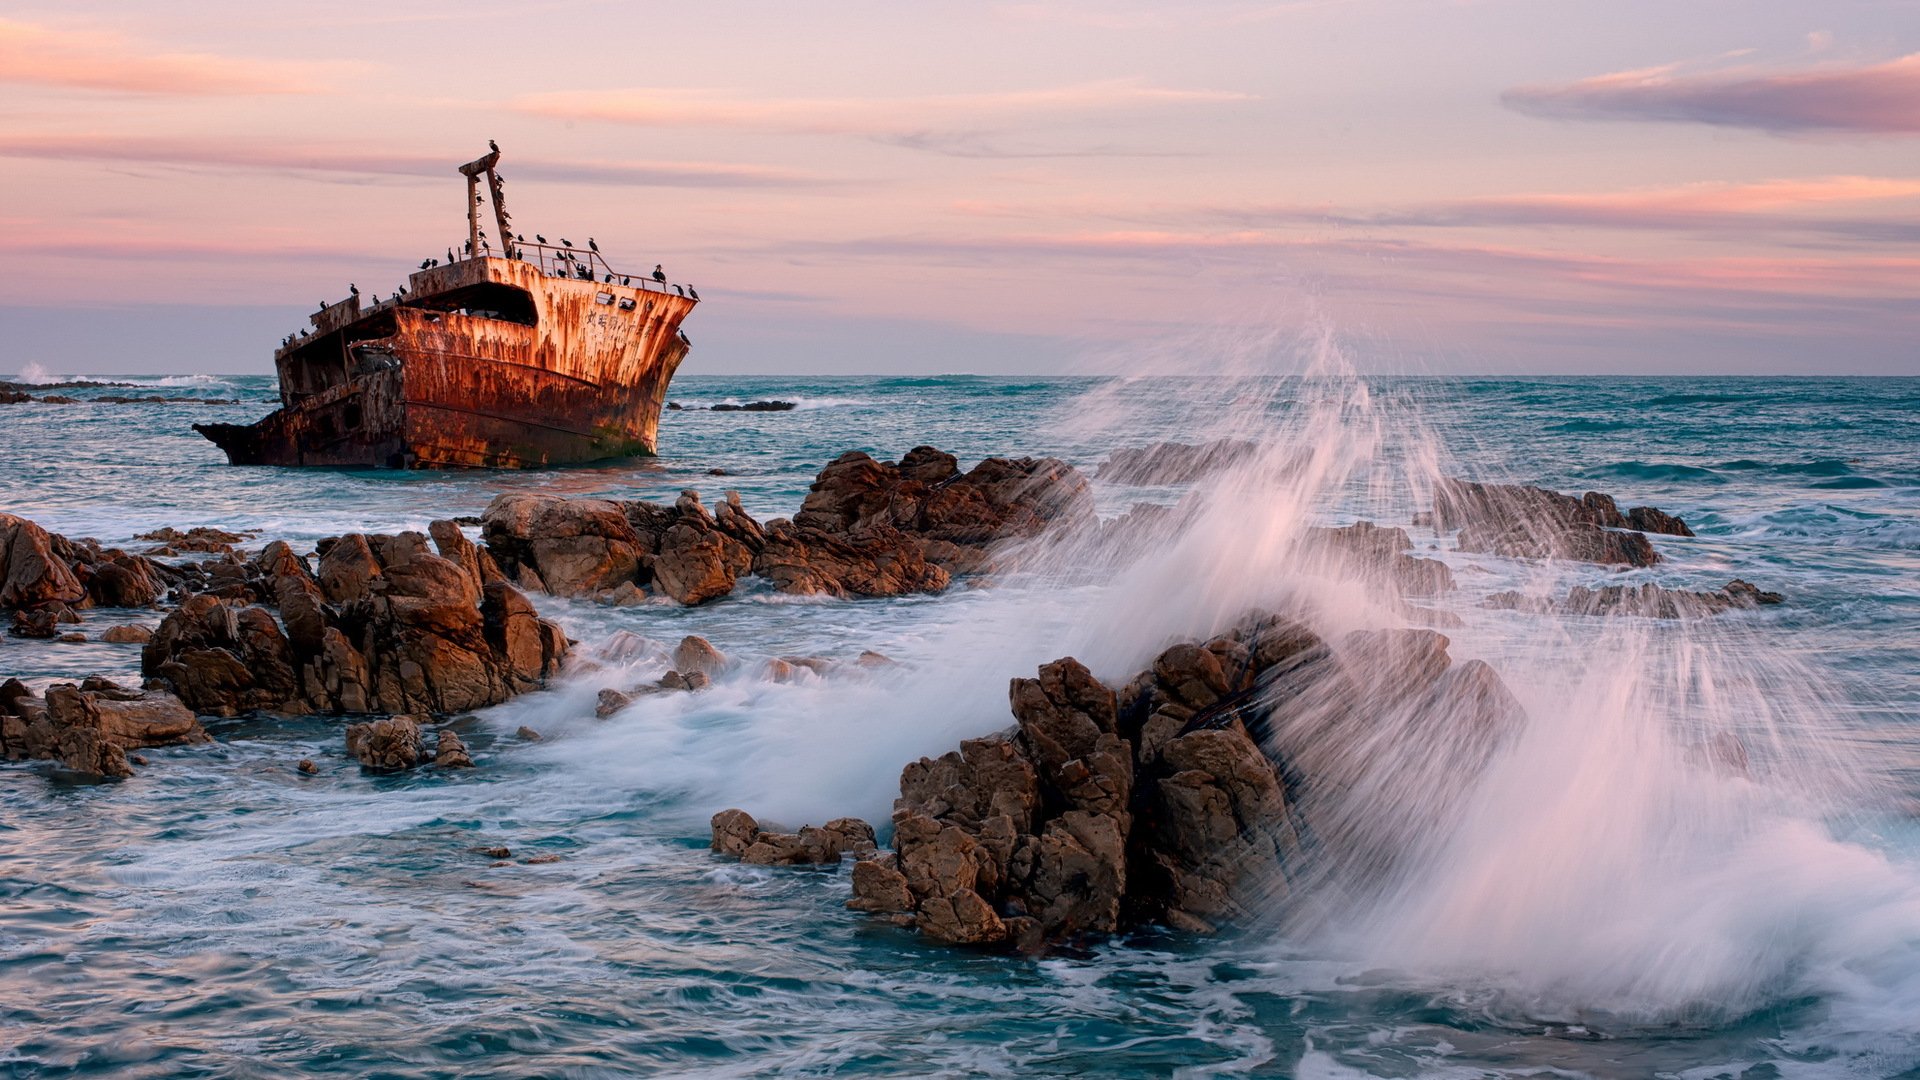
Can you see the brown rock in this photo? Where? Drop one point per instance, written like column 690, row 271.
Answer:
column 697, row 654
column 31, row 575
column 734, row 831
column 389, row 745
column 879, row 888
column 90, row 727
column 450, row 752
column 572, row 547
column 127, row 635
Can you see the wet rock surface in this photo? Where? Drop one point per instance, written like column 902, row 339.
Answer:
column 1521, row 521
column 89, row 727
column 391, row 745
column 736, row 833
column 384, row 625
column 1177, row 798
column 1173, row 462
column 1645, row 600
column 866, row 528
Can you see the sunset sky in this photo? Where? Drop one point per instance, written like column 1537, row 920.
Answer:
column 1447, row 185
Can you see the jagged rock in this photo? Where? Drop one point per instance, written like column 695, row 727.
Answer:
column 736, row 833
column 90, row 727
column 880, row 888
column 880, row 562
column 1645, row 600
column 127, row 635
column 31, row 574
column 527, row 734
column 569, row 547
column 610, row 701
column 384, row 626
column 1575, row 541
column 1174, row 800
column 449, row 752
column 1172, row 462
column 390, row 745
column 694, row 560
column 1519, row 521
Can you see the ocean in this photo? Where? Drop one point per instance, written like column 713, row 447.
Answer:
column 1601, row 906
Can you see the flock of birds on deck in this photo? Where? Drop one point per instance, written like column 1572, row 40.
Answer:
column 580, row 270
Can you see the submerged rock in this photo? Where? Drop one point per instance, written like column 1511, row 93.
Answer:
column 90, row 727
column 1646, row 601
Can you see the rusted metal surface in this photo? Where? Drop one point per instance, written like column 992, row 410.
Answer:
column 485, row 362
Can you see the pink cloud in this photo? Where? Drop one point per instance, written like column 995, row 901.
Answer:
column 40, row 55
column 1880, row 99
column 902, row 116
column 334, row 159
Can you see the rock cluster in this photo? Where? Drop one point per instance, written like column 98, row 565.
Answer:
column 1646, row 600
column 1527, row 522
column 90, row 727
column 384, row 626
column 1172, row 462
column 1175, row 799
column 736, row 833
column 46, row 572
column 866, row 528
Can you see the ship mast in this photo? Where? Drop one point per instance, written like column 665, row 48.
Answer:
column 472, row 170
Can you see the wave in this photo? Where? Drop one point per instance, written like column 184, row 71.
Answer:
column 1652, row 470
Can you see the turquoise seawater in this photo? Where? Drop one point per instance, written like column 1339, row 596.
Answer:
column 219, row 915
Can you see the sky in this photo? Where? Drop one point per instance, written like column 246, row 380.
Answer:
column 1442, row 186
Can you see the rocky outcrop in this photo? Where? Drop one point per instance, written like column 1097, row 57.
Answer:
column 736, row 833
column 866, row 528
column 31, row 575
column 90, row 727
column 1646, row 601
column 1179, row 798
column 1173, row 462
column 1521, row 521
column 385, row 625
column 42, row 571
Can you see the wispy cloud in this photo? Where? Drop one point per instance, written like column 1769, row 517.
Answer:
column 1878, row 99
column 41, row 55
column 360, row 163
column 876, row 117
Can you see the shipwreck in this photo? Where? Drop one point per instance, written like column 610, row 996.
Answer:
column 539, row 354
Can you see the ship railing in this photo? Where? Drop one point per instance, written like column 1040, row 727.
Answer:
column 583, row 264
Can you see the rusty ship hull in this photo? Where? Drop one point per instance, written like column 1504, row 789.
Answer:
column 487, row 362
column 543, row 357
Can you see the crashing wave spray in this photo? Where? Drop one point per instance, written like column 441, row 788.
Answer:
column 1646, row 832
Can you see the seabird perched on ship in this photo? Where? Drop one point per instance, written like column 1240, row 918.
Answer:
column 659, row 275
column 691, row 291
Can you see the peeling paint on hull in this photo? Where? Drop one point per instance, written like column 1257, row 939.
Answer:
column 485, row 363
